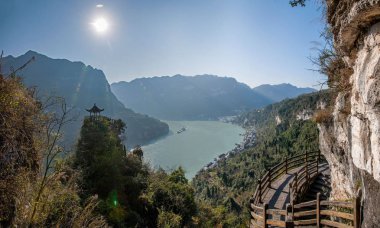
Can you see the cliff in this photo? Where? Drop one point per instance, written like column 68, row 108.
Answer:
column 350, row 137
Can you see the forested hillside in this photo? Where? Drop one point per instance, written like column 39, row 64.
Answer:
column 81, row 86
column 282, row 129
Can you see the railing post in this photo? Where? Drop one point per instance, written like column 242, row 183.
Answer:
column 289, row 216
column 319, row 155
column 265, row 216
column 306, row 157
column 295, row 186
column 259, row 191
column 270, row 178
column 317, row 166
column 318, row 208
column 286, row 165
column 251, row 201
column 307, row 167
column 293, row 203
column 357, row 212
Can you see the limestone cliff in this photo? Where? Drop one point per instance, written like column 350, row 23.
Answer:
column 350, row 139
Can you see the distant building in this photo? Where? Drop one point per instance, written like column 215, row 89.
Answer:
column 95, row 111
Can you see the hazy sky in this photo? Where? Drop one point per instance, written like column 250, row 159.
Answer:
column 255, row 41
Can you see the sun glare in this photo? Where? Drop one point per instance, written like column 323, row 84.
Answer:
column 100, row 25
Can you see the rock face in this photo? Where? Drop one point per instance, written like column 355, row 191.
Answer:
column 350, row 140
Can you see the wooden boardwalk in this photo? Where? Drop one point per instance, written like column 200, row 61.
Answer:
column 278, row 194
column 305, row 180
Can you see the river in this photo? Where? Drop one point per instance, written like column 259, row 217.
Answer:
column 199, row 144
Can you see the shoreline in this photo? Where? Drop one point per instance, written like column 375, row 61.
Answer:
column 248, row 141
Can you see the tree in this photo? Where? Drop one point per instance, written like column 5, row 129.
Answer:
column 171, row 194
column 100, row 156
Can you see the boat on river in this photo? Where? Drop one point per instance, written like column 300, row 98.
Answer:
column 181, row 130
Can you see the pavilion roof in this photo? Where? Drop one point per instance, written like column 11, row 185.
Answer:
column 94, row 109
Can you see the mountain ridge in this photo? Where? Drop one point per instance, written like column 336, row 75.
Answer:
column 206, row 96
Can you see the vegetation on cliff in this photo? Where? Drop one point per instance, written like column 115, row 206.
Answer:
column 37, row 189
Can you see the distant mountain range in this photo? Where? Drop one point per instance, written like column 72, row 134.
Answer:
column 279, row 92
column 82, row 86
column 200, row 97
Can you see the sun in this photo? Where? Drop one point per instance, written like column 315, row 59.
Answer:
column 100, row 25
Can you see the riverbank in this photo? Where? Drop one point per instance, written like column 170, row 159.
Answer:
column 192, row 149
column 247, row 142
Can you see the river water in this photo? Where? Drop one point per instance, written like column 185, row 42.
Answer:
column 199, row 144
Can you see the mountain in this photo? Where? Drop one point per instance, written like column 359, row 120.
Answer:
column 197, row 97
column 82, row 86
column 279, row 92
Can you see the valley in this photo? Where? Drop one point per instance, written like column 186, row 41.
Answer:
column 186, row 114
column 194, row 148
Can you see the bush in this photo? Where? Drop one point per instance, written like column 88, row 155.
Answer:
column 167, row 219
column 323, row 116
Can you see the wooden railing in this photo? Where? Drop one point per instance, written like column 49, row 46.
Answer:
column 316, row 213
column 280, row 169
column 304, row 177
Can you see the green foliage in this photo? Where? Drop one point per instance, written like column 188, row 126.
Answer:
column 229, row 186
column 172, row 193
column 132, row 194
column 107, row 171
column 100, row 155
column 178, row 176
column 167, row 219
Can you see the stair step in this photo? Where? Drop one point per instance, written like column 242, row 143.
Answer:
column 320, row 187
column 314, row 190
column 313, row 197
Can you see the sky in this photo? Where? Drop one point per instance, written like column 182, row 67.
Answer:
column 255, row 41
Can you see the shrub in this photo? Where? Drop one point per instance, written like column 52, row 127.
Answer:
column 323, row 116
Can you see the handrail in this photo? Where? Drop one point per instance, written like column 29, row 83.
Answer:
column 276, row 171
column 303, row 179
column 314, row 213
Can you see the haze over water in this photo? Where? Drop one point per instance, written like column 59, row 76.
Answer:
column 194, row 148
